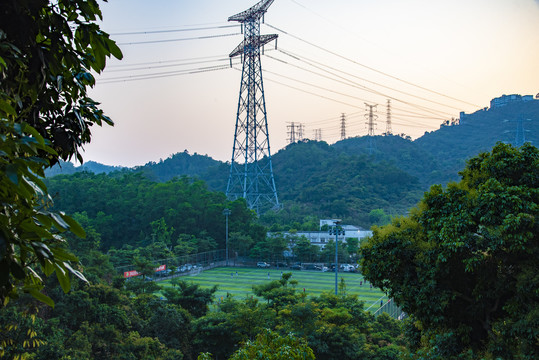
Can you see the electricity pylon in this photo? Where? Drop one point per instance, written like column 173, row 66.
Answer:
column 343, row 126
column 371, row 125
column 251, row 173
column 389, row 131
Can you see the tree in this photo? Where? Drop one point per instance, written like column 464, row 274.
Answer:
column 277, row 292
column 271, row 346
column 305, row 251
column 215, row 333
column 191, row 297
column 464, row 263
column 47, row 50
column 161, row 232
column 379, row 217
column 239, row 243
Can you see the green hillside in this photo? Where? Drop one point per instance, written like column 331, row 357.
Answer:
column 348, row 180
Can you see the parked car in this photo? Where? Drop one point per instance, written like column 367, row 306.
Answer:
column 296, row 267
column 262, row 264
column 163, row 273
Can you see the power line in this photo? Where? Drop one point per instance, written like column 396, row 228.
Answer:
column 173, row 30
column 163, row 74
column 170, row 65
column 363, row 79
column 368, row 67
column 166, row 61
column 358, row 86
column 178, row 39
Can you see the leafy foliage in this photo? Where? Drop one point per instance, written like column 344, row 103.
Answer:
column 336, row 184
column 271, row 346
column 464, row 263
column 47, row 51
column 126, row 208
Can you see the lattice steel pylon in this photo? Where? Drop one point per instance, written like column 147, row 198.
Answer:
column 371, row 124
column 251, row 172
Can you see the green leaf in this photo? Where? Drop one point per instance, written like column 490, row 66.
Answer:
column 63, row 276
column 59, row 221
column 32, row 131
column 74, row 226
column 63, row 254
column 114, row 49
column 75, row 272
column 41, row 297
column 12, row 174
column 7, row 108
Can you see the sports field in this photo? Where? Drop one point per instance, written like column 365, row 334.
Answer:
column 238, row 281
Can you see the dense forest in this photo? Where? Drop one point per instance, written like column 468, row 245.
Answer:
column 347, row 180
column 462, row 264
column 452, row 317
column 107, row 320
column 128, row 209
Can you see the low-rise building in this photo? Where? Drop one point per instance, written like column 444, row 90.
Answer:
column 322, row 237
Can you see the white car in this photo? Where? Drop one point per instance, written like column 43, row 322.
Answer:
column 262, row 264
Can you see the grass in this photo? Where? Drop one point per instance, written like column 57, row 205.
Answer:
column 312, row 282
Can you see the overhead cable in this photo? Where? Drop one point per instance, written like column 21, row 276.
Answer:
column 178, row 39
column 368, row 67
column 173, row 30
column 295, row 56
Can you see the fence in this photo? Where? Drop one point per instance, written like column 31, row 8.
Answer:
column 186, row 263
column 390, row 308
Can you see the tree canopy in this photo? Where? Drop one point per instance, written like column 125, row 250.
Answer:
column 47, row 52
column 464, row 263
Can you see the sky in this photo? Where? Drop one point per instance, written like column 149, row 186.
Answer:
column 175, row 90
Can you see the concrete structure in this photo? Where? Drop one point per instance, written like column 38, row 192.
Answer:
column 499, row 102
column 322, row 237
column 508, row 99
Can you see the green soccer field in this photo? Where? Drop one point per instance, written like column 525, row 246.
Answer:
column 312, row 282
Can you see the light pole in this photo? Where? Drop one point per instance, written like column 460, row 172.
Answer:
column 336, row 230
column 226, row 212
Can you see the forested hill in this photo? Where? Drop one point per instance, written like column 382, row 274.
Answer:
column 395, row 151
column 451, row 146
column 351, row 178
column 333, row 183
column 67, row 168
column 438, row 156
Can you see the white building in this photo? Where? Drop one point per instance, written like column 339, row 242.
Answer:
column 508, row 99
column 321, row 238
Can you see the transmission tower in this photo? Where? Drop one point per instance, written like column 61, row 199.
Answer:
column 251, row 173
column 343, row 126
column 389, row 131
column 295, row 132
column 520, row 136
column 318, row 134
column 291, row 133
column 300, row 130
column 371, row 125
column 520, row 133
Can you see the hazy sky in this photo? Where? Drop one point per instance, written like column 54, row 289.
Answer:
column 433, row 58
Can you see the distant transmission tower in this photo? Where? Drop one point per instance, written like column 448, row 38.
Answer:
column 318, row 134
column 295, row 132
column 520, row 134
column 251, row 173
column 520, row 137
column 300, row 130
column 371, row 125
column 343, row 126
column 291, row 133
column 389, row 131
